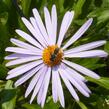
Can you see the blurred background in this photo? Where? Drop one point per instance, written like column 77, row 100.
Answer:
column 11, row 12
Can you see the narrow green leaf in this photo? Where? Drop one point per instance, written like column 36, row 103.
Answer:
column 61, row 5
column 82, row 105
column 2, row 85
column 31, row 106
column 26, row 6
column 103, row 81
column 3, row 71
column 106, row 47
column 78, row 7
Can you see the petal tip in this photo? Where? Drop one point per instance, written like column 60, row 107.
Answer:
column 97, row 77
column 17, row 30
column 34, row 9
column 23, row 18
column 12, row 39
column 45, row 9
column 6, row 49
column 5, row 57
column 72, row 12
column 54, row 6
column 7, row 78
column 106, row 54
column 15, row 85
column 26, row 95
column 105, row 41
column 91, row 20
column 77, row 99
column 30, row 101
column 7, row 65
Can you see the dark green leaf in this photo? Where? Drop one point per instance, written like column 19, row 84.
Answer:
column 78, row 7
column 103, row 81
column 8, row 96
column 26, row 7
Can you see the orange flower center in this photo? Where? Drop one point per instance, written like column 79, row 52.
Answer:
column 52, row 55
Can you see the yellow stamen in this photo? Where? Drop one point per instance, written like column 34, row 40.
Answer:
column 49, row 52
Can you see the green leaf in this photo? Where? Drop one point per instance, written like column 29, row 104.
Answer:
column 8, row 96
column 106, row 47
column 4, row 38
column 51, row 105
column 103, row 102
column 104, row 16
column 105, row 4
column 3, row 71
column 101, row 15
column 3, row 6
column 78, row 7
column 82, row 105
column 48, row 105
column 31, row 106
column 103, row 81
column 60, row 3
column 2, row 85
column 26, row 6
column 3, row 18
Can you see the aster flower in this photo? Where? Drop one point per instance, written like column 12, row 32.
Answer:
column 42, row 57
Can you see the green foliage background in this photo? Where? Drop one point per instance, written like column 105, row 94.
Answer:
column 10, row 19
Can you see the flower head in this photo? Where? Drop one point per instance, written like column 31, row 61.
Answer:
column 42, row 57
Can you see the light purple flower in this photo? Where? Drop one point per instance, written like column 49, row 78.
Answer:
column 40, row 67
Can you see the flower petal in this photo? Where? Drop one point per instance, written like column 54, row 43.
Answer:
column 54, row 84
column 69, row 86
column 88, row 54
column 72, row 72
column 38, row 84
column 40, row 93
column 38, row 77
column 39, row 37
column 40, row 25
column 24, row 45
column 16, row 56
column 78, row 78
column 28, row 75
column 54, row 23
column 78, row 86
column 82, row 70
column 32, row 30
column 23, row 51
column 78, row 34
column 46, row 84
column 82, row 84
column 84, row 47
column 60, row 90
column 48, row 24
column 64, row 26
column 29, row 38
column 22, row 69
column 23, row 60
